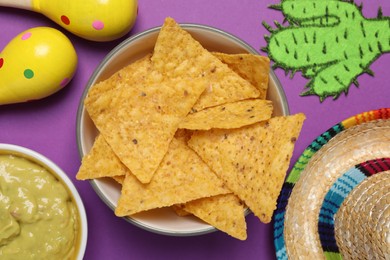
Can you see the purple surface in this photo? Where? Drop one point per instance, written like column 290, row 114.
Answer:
column 48, row 126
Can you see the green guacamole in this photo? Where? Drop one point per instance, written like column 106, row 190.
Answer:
column 38, row 219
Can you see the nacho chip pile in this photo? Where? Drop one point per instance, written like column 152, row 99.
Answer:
column 190, row 129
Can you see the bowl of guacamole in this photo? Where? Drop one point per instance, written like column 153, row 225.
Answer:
column 41, row 213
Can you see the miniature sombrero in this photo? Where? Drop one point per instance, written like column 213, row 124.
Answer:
column 335, row 203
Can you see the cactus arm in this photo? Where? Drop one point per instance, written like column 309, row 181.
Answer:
column 320, row 21
column 334, row 80
column 319, row 13
column 337, row 78
column 304, row 48
column 377, row 31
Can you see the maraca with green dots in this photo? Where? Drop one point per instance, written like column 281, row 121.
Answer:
column 35, row 64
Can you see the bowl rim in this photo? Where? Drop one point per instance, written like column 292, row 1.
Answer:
column 103, row 63
column 43, row 161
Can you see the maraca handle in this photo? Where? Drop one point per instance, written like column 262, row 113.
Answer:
column 22, row 4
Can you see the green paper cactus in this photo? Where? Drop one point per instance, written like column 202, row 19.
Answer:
column 329, row 41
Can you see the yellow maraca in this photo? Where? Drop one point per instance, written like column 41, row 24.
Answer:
column 97, row 20
column 35, row 64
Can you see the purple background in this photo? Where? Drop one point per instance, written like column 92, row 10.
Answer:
column 48, row 126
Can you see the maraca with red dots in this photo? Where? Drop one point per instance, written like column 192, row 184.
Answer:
column 96, row 20
column 35, row 64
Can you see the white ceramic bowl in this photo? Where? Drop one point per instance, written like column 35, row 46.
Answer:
column 10, row 149
column 162, row 221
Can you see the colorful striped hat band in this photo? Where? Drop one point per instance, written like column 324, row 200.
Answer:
column 326, row 207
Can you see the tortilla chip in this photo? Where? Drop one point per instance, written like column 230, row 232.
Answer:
column 181, row 177
column 231, row 115
column 100, row 162
column 119, row 179
column 140, row 117
column 180, row 211
column 224, row 212
column 251, row 67
column 177, row 54
column 252, row 160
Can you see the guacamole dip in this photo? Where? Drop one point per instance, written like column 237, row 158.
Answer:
column 38, row 219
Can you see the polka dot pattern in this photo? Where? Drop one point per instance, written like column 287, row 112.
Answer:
column 28, row 74
column 26, row 36
column 64, row 82
column 98, row 25
column 65, row 19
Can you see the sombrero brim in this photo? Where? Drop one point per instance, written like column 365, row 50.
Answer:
column 297, row 224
